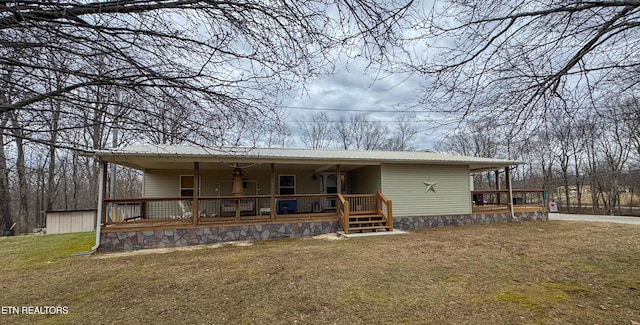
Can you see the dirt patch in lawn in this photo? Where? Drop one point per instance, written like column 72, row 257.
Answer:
column 529, row 273
column 173, row 249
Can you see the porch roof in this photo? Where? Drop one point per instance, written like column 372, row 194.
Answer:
column 164, row 156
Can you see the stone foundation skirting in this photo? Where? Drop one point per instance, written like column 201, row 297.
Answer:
column 409, row 223
column 134, row 240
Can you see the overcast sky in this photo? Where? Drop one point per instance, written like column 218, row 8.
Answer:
column 355, row 90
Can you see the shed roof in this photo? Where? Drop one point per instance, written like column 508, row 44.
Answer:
column 156, row 156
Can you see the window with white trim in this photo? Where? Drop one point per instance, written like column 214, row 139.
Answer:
column 287, row 184
column 186, row 185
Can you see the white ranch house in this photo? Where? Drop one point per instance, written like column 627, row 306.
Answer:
column 196, row 195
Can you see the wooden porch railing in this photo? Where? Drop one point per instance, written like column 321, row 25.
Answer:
column 361, row 203
column 343, row 208
column 523, row 200
column 304, row 205
column 384, row 207
column 233, row 210
column 118, row 211
column 220, row 209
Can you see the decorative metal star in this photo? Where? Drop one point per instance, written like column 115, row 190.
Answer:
column 430, row 186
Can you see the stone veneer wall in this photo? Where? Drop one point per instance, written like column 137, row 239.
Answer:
column 134, row 240
column 409, row 223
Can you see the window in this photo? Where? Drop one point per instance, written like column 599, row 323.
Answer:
column 287, row 184
column 186, row 185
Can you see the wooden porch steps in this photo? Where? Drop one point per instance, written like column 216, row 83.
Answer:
column 370, row 222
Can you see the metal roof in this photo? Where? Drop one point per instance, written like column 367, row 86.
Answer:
column 153, row 156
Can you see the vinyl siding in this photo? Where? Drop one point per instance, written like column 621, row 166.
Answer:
column 365, row 180
column 403, row 184
column 305, row 184
column 166, row 183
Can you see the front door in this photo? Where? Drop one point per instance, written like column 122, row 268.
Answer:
column 330, row 186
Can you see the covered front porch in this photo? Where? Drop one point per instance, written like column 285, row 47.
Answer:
column 180, row 212
column 219, row 194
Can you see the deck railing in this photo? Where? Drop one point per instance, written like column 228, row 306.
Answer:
column 305, row 205
column 522, row 199
column 361, row 203
column 222, row 209
column 342, row 206
column 147, row 210
column 384, row 207
column 234, row 208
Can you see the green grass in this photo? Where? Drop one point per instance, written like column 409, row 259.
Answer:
column 530, row 273
column 33, row 252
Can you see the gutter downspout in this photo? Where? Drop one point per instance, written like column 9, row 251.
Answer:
column 100, row 207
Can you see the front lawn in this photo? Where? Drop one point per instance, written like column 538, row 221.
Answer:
column 530, row 273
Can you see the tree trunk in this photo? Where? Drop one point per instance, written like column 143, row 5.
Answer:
column 594, row 194
column 567, row 193
column 51, row 180
column 23, row 190
column 6, row 218
column 579, row 183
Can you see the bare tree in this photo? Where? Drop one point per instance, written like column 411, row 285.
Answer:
column 316, row 133
column 515, row 61
column 566, row 139
column 630, row 109
column 477, row 139
column 267, row 134
column 6, row 218
column 166, row 121
column 226, row 58
column 592, row 149
column 356, row 132
column 359, row 133
column 73, row 73
column 608, row 146
column 616, row 147
column 403, row 136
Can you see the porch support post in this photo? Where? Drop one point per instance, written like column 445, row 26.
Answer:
column 195, row 209
column 272, row 190
column 102, row 192
column 101, row 215
column 497, row 172
column 507, row 172
column 237, row 209
column 339, row 179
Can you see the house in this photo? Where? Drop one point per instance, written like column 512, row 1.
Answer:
column 197, row 195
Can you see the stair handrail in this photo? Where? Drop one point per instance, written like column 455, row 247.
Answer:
column 343, row 212
column 381, row 199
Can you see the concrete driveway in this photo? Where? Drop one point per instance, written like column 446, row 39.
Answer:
column 585, row 217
